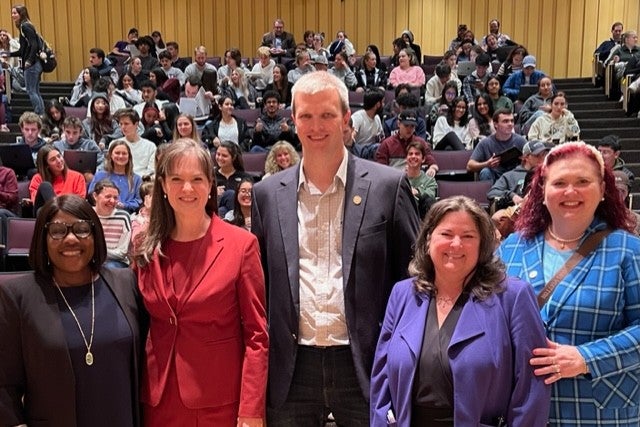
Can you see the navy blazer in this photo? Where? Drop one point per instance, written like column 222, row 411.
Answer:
column 34, row 357
column 489, row 354
column 379, row 229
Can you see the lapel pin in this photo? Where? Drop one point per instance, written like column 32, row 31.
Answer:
column 533, row 274
column 357, row 200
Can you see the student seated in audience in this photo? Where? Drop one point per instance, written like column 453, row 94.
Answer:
column 116, row 223
column 98, row 61
column 370, row 74
column 226, row 127
column 320, row 63
column 238, row 88
column 494, row 30
column 232, row 61
column 174, row 50
column 318, row 48
column 485, row 158
column 512, row 64
column 9, row 203
column 147, row 55
column 450, row 91
column 116, row 101
column 342, row 70
column 30, row 126
column 408, row 71
column 149, row 96
column 280, row 85
column 510, row 189
column 610, row 148
column 623, row 186
column 457, row 41
column 121, row 48
column 474, row 84
column 185, row 127
column 451, row 131
column 229, row 171
column 140, row 219
column 463, row 53
column 536, row 105
column 52, row 119
column 621, row 54
column 280, row 43
column 481, row 122
column 168, row 89
column 271, row 126
column 199, row 64
column 100, row 126
column 403, row 102
column 191, row 89
column 240, row 215
column 393, row 150
column 527, row 76
column 494, row 90
column 169, row 68
column 368, row 131
column 72, row 139
column 81, row 94
column 397, row 45
column 281, row 156
column 54, row 178
column 143, row 151
column 118, row 168
column 491, row 48
column 557, row 126
column 134, row 69
column 341, row 44
column 303, row 66
column 435, row 84
column 261, row 74
column 604, row 49
column 423, row 186
column 409, row 39
column 155, row 127
column 129, row 89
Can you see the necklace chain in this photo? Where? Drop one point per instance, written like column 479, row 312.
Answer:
column 563, row 242
column 88, row 358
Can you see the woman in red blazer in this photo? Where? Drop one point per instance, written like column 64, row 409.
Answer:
column 202, row 283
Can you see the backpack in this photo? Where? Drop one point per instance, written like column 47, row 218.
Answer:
column 45, row 54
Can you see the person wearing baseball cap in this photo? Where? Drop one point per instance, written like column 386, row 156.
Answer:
column 320, row 62
column 393, row 150
column 528, row 75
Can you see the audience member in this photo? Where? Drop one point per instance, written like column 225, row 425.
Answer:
column 498, row 100
column 140, row 220
column 155, row 129
column 451, row 131
column 457, row 41
column 143, row 151
column 341, row 44
column 318, row 48
column 409, row 39
column 147, row 55
column 271, row 126
column 9, row 203
column 610, row 149
column 358, row 272
column 280, row 85
column 342, row 70
column 536, row 105
column 370, row 74
column 54, row 178
column 101, row 127
column 367, row 126
column 9, row 44
column 485, row 159
column 397, row 45
column 30, row 127
column 403, row 102
column 174, row 49
column 239, row 89
column 623, row 186
column 28, row 52
column 81, row 93
column 262, row 72
column 240, row 215
column 73, row 140
column 436, row 83
column 98, row 60
column 303, row 66
column 129, row 89
column 512, row 64
column 494, row 30
column 474, row 84
column 527, row 76
column 121, row 48
column 52, row 119
column 116, row 223
column 226, row 127
column 170, row 69
column 134, row 69
column 281, row 156
column 159, row 45
column 393, row 150
column 199, row 64
column 481, row 122
column 229, row 171
column 149, row 96
column 450, row 91
column 232, row 61
column 279, row 42
column 492, row 48
column 185, row 127
column 605, row 48
column 557, row 126
column 407, row 70
column 423, row 186
column 621, row 54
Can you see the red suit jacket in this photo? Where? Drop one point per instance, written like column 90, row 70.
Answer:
column 217, row 336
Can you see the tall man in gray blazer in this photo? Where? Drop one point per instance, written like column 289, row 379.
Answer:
column 335, row 233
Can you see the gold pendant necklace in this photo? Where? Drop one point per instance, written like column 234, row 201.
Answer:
column 563, row 242
column 88, row 358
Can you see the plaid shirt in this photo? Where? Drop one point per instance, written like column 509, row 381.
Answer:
column 596, row 308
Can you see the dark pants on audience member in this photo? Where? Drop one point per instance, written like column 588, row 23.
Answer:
column 324, row 381
column 43, row 195
column 451, row 141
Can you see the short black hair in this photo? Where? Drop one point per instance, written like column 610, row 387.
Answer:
column 99, row 52
column 407, row 100
column 72, row 205
column 371, row 97
column 148, row 83
column 270, row 94
column 612, row 141
column 443, row 70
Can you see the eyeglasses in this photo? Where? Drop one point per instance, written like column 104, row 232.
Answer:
column 59, row 230
column 244, row 191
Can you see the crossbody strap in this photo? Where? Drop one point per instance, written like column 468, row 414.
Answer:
column 585, row 249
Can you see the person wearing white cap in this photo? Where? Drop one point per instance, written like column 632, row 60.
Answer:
column 527, row 76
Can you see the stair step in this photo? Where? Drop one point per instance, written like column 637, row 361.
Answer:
column 591, row 91
column 595, row 104
column 598, row 114
column 586, row 98
column 625, row 132
column 631, row 156
column 609, row 123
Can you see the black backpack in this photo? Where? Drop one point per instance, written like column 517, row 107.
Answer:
column 46, row 55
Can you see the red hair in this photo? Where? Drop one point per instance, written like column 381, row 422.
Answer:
column 535, row 217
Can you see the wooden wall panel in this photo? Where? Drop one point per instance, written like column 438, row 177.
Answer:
column 561, row 33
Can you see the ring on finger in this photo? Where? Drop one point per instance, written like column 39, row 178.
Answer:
column 557, row 369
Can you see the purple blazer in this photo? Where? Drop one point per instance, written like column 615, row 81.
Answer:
column 489, row 355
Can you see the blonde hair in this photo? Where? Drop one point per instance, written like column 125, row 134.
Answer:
column 271, row 165
column 264, row 51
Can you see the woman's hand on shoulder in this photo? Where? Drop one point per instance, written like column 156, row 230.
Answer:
column 250, row 422
column 558, row 361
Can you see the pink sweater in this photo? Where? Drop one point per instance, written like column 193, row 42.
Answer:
column 412, row 75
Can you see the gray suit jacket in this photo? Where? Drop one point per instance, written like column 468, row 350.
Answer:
column 34, row 359
column 379, row 229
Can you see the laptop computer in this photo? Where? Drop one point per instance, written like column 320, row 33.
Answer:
column 81, row 161
column 17, row 157
column 465, row 68
column 526, row 91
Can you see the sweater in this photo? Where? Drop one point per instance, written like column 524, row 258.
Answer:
column 117, row 235
column 546, row 128
column 412, row 75
column 143, row 155
column 130, row 197
column 73, row 184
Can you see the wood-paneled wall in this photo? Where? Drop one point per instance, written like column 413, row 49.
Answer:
column 561, row 33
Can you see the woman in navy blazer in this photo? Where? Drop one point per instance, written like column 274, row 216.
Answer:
column 492, row 325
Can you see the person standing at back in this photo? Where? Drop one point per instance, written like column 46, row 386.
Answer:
column 29, row 46
column 334, row 233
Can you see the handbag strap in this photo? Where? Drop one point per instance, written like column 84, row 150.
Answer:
column 583, row 250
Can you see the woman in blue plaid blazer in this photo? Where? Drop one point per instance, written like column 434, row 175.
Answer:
column 592, row 318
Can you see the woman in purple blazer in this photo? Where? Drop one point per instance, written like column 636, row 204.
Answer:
column 480, row 332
